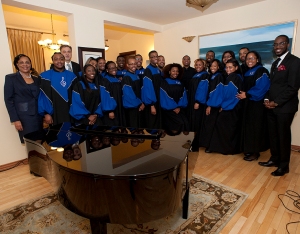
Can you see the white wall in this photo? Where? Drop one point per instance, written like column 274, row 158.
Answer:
column 173, row 47
column 114, row 49
column 11, row 148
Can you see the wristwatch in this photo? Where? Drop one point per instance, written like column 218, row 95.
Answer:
column 275, row 104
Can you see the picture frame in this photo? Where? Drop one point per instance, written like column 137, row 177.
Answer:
column 85, row 52
column 259, row 38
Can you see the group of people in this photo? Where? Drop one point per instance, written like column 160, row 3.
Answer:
column 231, row 107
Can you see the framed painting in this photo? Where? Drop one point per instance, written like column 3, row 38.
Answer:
column 260, row 39
column 85, row 52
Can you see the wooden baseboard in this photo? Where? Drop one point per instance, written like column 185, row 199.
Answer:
column 295, row 147
column 13, row 164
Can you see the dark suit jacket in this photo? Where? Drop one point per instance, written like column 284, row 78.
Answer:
column 19, row 99
column 285, row 83
column 75, row 66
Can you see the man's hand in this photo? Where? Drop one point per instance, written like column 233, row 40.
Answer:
column 196, row 106
column 270, row 105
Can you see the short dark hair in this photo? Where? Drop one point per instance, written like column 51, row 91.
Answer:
column 120, row 56
column 244, row 48
column 152, row 51
column 287, row 39
column 138, row 55
column 99, row 58
column 17, row 58
column 211, row 51
column 130, row 57
column 236, row 64
column 55, row 54
column 63, row 46
column 107, row 63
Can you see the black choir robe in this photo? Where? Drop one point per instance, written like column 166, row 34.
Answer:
column 255, row 136
column 55, row 94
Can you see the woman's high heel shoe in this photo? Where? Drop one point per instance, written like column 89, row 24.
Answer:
column 252, row 157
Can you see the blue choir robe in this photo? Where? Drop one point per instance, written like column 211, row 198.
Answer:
column 150, row 96
column 55, row 94
column 173, row 95
column 214, row 101
column 131, row 87
column 255, row 136
column 61, row 135
column 227, row 131
column 233, row 85
column 140, row 73
column 85, row 103
column 197, row 93
column 120, row 73
column 215, row 90
column 111, row 100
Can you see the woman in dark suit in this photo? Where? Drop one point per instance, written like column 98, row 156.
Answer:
column 21, row 91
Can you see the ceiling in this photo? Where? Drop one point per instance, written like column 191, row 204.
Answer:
column 159, row 11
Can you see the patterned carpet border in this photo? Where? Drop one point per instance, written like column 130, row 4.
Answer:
column 211, row 206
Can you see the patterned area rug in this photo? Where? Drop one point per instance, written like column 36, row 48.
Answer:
column 211, row 206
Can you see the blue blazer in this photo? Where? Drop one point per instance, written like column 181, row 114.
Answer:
column 19, row 99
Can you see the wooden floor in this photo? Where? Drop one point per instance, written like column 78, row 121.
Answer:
column 261, row 213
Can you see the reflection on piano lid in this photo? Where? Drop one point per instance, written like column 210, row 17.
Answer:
column 108, row 150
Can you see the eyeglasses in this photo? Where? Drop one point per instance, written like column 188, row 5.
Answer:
column 112, row 68
column 154, row 57
column 131, row 64
column 138, row 59
column 280, row 44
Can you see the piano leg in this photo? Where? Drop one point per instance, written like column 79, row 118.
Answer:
column 98, row 227
column 185, row 204
column 185, row 201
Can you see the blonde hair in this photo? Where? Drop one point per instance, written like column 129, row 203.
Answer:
column 200, row 60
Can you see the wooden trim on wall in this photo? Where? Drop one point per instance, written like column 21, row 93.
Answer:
column 13, row 164
column 295, row 148
column 128, row 53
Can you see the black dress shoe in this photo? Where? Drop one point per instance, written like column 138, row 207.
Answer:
column 248, row 154
column 252, row 157
column 268, row 164
column 280, row 171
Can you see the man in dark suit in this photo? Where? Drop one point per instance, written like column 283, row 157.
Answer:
column 282, row 102
column 188, row 71
column 66, row 50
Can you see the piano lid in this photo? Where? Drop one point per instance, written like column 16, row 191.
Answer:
column 116, row 151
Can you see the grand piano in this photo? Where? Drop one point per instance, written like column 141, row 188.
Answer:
column 114, row 174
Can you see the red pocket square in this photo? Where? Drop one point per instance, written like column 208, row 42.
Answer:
column 281, row 68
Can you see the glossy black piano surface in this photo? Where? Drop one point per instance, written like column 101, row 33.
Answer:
column 118, row 175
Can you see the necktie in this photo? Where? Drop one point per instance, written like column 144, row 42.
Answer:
column 274, row 65
column 69, row 67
